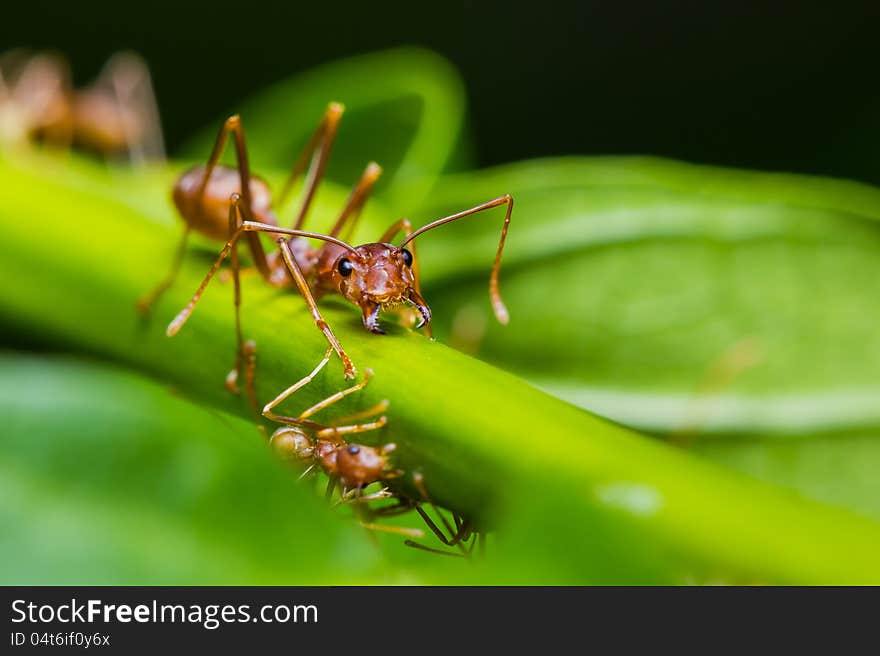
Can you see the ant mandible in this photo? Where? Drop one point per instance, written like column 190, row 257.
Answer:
column 115, row 114
column 372, row 276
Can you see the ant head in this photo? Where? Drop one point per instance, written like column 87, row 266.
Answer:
column 359, row 465
column 376, row 276
column 291, row 443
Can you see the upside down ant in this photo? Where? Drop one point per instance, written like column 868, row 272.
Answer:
column 356, row 466
column 302, row 439
column 218, row 201
column 116, row 114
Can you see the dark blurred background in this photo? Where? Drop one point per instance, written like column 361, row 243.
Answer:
column 772, row 85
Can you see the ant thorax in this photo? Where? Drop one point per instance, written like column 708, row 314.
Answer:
column 358, row 465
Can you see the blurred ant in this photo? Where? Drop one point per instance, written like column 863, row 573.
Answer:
column 373, row 276
column 356, row 466
column 116, row 114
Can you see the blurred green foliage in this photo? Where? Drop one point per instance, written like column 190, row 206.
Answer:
column 714, row 308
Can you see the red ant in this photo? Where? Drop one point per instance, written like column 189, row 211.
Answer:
column 115, row 114
column 373, row 276
column 211, row 199
column 357, row 466
column 323, row 446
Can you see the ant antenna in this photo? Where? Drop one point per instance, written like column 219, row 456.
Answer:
column 498, row 306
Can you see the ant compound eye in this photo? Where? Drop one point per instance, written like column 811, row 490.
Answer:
column 344, row 267
column 407, row 256
column 354, row 449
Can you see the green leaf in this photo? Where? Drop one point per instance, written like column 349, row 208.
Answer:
column 489, row 444
column 404, row 109
column 839, row 469
column 682, row 300
column 629, row 279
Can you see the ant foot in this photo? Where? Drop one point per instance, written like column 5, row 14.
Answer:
column 348, row 365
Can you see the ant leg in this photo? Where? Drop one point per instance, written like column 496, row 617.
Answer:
column 316, row 151
column 246, row 352
column 234, row 222
column 132, row 86
column 42, row 84
column 250, row 227
column 404, row 225
column 335, row 431
column 356, row 201
column 338, row 396
column 306, row 293
column 146, row 302
column 434, row 528
column 332, row 433
column 324, row 432
column 397, row 530
column 455, row 538
column 419, row 482
column 250, row 377
column 498, row 306
column 377, row 409
column 364, row 515
column 331, row 485
column 233, row 125
column 440, row 552
column 392, row 511
column 465, row 531
column 308, row 471
column 369, row 498
column 305, row 380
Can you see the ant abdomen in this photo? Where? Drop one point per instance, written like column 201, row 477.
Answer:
column 208, row 213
